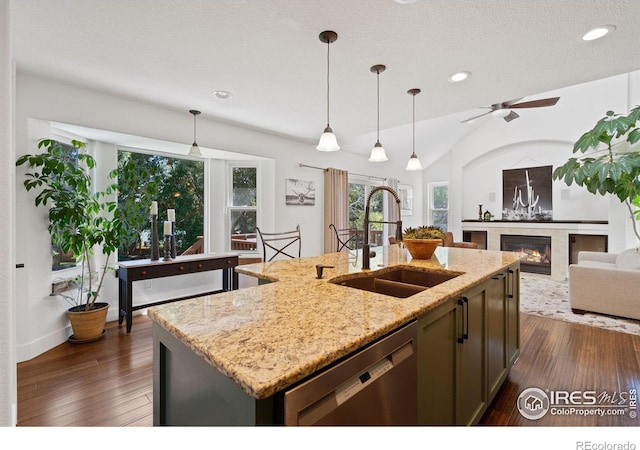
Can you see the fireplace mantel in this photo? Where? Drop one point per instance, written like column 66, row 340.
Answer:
column 558, row 230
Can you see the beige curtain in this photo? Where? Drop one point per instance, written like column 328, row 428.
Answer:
column 336, row 199
column 390, row 211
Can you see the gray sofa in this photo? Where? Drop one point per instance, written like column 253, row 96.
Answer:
column 606, row 283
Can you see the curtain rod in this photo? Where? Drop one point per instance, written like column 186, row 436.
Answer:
column 357, row 174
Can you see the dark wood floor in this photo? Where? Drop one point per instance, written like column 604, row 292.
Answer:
column 109, row 382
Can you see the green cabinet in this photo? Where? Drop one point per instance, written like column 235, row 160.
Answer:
column 471, row 391
column 466, row 348
column 513, row 314
column 497, row 364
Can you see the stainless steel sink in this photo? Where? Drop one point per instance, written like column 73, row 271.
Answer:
column 401, row 282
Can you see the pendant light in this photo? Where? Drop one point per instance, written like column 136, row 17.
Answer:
column 195, row 150
column 377, row 152
column 414, row 162
column 328, row 141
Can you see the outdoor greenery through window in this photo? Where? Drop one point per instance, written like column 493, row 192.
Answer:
column 243, row 208
column 62, row 260
column 439, row 210
column 175, row 184
column 358, row 193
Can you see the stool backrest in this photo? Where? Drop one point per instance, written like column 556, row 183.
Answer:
column 347, row 238
column 280, row 243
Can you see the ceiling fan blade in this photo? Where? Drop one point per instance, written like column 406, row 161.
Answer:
column 508, row 103
column 512, row 115
column 475, row 117
column 537, row 103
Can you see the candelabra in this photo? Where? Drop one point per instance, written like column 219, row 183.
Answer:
column 167, row 247
column 173, row 240
column 155, row 246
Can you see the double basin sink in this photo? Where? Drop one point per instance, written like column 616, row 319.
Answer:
column 400, row 282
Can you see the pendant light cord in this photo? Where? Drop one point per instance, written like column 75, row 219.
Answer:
column 413, row 152
column 328, row 46
column 194, row 129
column 378, row 130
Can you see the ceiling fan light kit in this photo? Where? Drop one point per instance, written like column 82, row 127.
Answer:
column 414, row 162
column 377, row 152
column 195, row 150
column 328, row 141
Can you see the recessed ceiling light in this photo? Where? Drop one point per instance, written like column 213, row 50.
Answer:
column 459, row 76
column 223, row 95
column 598, row 33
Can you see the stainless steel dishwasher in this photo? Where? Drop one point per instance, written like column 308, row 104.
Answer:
column 375, row 386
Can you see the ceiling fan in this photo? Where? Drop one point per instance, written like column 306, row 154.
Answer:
column 505, row 109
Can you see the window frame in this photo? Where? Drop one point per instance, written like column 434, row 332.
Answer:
column 432, row 208
column 205, row 189
column 230, row 208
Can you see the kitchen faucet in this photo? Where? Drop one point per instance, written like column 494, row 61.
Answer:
column 366, row 253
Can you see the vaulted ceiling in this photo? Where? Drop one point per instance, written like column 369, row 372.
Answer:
column 267, row 54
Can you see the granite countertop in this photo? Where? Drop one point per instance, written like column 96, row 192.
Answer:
column 267, row 337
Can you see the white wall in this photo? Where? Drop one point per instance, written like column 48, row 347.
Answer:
column 541, row 136
column 8, row 396
column 40, row 318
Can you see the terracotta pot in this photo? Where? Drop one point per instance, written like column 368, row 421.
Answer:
column 87, row 325
column 421, row 248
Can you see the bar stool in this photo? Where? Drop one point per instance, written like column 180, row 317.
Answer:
column 346, row 237
column 280, row 243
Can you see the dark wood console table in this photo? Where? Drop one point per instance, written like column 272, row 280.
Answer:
column 145, row 269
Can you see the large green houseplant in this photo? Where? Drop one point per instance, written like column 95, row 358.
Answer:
column 80, row 220
column 611, row 164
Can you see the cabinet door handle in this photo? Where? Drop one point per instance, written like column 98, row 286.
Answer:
column 460, row 321
column 500, row 276
column 511, row 282
column 466, row 325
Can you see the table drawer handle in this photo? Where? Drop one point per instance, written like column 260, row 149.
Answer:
column 200, row 266
column 143, row 273
column 181, row 268
column 229, row 262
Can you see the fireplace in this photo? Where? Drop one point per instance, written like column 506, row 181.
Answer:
column 537, row 250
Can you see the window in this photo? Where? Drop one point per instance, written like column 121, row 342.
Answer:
column 439, row 204
column 243, row 208
column 358, row 192
column 63, row 260
column 175, row 184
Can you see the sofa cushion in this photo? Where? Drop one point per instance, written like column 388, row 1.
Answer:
column 597, row 264
column 628, row 260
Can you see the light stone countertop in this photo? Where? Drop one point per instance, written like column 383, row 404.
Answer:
column 267, row 337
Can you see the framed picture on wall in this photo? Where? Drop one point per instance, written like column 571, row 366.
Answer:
column 405, row 193
column 527, row 194
column 300, row 192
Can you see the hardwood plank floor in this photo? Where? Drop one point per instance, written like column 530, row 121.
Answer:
column 109, row 382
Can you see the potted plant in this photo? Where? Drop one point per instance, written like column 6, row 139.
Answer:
column 80, row 220
column 422, row 241
column 614, row 169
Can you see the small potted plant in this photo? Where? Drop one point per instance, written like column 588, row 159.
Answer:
column 80, row 219
column 422, row 241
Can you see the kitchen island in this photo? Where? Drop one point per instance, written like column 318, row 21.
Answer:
column 228, row 358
